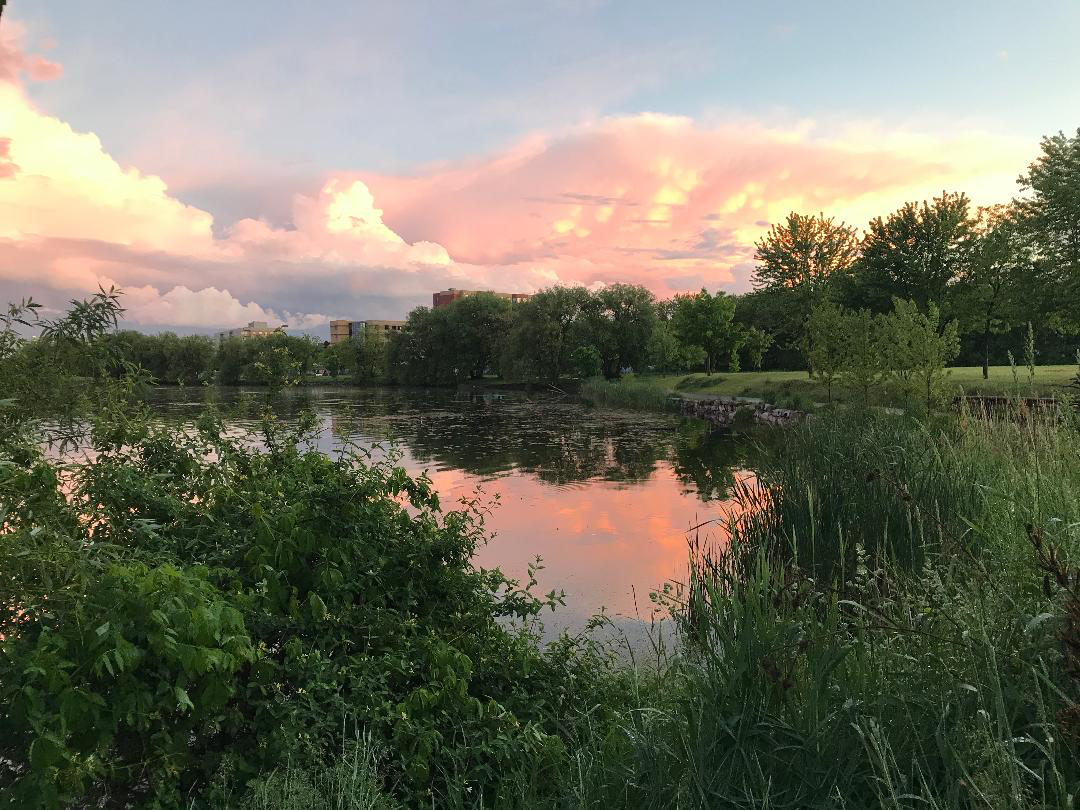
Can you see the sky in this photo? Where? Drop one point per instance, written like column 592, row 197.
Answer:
column 299, row 162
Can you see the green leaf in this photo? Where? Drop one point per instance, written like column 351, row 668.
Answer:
column 318, row 607
column 183, row 700
column 45, row 752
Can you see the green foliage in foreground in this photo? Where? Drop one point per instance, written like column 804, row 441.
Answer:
column 185, row 605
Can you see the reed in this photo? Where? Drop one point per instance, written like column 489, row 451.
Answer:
column 629, row 392
column 875, row 634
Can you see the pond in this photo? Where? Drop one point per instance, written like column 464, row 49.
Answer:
column 607, row 498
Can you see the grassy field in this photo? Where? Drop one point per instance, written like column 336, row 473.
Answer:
column 789, row 387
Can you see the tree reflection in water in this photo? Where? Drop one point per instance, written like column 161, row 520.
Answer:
column 605, row 496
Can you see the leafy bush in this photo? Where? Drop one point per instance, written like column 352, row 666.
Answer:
column 744, row 419
column 187, row 601
column 114, row 681
column 586, row 361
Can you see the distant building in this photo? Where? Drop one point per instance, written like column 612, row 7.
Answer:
column 384, row 328
column 443, row 298
column 341, row 331
column 253, row 329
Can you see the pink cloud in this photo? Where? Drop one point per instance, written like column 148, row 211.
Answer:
column 666, row 201
column 72, row 218
column 14, row 60
column 7, row 167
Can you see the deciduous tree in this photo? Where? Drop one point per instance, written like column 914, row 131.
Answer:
column 1051, row 213
column 916, row 253
column 546, row 330
column 799, row 261
column 992, row 284
column 919, row 347
column 827, row 344
column 705, row 321
column 620, row 319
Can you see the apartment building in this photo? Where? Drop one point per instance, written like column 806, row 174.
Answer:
column 384, row 328
column 340, row 331
column 253, row 329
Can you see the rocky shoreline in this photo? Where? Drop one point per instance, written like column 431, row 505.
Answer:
column 722, row 411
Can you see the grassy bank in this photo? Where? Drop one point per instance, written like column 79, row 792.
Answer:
column 887, row 618
column 796, row 390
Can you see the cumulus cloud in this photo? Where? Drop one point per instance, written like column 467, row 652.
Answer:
column 72, row 218
column 653, row 197
column 669, row 202
column 208, row 307
column 64, row 184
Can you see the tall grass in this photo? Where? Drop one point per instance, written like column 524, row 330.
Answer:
column 629, row 392
column 876, row 635
column 351, row 783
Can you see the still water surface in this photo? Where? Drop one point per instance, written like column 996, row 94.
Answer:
column 604, row 497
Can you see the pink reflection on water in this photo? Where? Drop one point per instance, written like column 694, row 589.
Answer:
column 603, row 542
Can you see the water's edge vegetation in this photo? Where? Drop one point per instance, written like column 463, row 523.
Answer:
column 190, row 619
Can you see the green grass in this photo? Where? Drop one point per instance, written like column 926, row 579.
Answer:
column 785, row 386
column 630, row 393
column 352, row 782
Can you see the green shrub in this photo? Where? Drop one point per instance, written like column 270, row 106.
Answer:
column 203, row 601
column 115, row 681
column 744, row 419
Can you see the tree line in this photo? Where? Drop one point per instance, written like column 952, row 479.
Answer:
column 571, row 332
column 275, row 360
column 992, row 271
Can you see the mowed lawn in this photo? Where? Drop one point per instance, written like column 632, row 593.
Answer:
column 785, row 385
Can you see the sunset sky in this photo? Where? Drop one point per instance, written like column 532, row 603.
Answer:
column 227, row 162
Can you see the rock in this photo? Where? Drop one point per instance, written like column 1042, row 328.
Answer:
column 721, row 410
